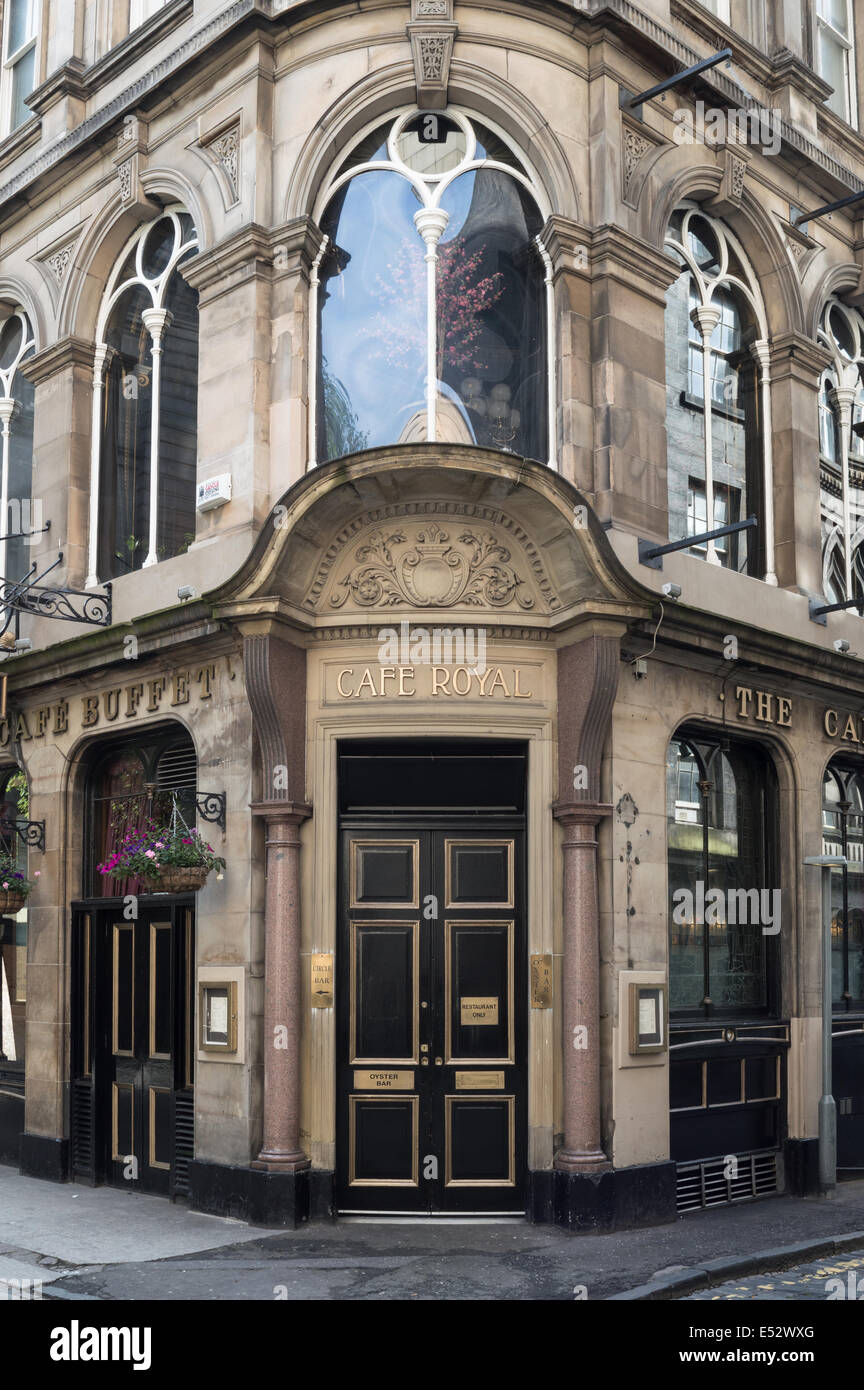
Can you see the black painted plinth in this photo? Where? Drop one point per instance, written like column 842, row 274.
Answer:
column 259, row 1197
column 41, row 1157
column 801, row 1164
column 619, row 1199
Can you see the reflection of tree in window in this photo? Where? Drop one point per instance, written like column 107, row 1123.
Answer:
column 489, row 323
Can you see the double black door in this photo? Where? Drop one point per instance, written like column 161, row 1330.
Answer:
column 133, row 1059
column 432, row 1017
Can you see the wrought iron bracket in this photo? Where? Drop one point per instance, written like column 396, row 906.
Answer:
column 68, row 605
column 30, row 832
column 211, row 807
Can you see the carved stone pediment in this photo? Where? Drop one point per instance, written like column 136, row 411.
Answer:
column 470, row 558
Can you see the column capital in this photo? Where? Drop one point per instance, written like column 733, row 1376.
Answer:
column 295, row 811
column 580, row 812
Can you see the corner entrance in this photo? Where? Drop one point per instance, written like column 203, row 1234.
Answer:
column 432, row 1026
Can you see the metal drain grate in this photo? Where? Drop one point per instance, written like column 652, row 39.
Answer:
column 716, row 1182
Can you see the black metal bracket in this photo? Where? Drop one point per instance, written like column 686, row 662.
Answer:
column 652, row 555
column 631, row 103
column 211, row 807
column 27, row 596
column 30, row 832
column 819, row 609
column 846, row 202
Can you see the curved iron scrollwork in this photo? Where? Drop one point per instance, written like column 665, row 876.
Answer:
column 69, row 605
column 211, row 807
column 30, row 832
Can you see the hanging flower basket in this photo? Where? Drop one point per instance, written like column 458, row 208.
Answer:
column 166, row 858
column 11, row 901
column 15, row 887
column 178, row 879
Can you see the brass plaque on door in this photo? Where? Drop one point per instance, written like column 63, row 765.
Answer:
column 478, row 1012
column 541, row 982
column 479, row 1081
column 383, row 1081
column 322, row 981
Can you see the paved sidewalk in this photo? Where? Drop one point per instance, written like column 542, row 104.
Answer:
column 114, row 1245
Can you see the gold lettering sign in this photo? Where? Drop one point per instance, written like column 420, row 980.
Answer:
column 478, row 1012
column 479, row 1081
column 763, row 706
column 322, row 981
column 848, row 728
column 541, row 982
column 111, row 706
column 432, row 682
column 383, row 1081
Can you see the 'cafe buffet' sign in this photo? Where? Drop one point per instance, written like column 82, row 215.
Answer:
column 108, row 707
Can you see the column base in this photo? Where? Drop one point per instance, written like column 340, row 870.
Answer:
column 41, row 1157
column 581, row 1161
column 617, row 1199
column 801, row 1166
column 278, row 1161
column 260, row 1197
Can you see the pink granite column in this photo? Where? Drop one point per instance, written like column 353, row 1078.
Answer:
column 281, row 1151
column 582, row 1151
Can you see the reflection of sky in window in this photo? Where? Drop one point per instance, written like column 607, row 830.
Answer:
column 374, row 342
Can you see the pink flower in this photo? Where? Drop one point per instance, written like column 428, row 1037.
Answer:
column 38, row 873
column 148, row 854
column 5, row 885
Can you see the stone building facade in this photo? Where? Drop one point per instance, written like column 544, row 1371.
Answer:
column 356, row 355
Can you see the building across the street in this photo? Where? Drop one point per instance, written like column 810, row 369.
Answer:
column 428, row 455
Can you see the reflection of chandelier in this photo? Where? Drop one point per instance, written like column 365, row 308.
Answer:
column 503, row 420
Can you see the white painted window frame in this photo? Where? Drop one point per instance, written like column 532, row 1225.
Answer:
column 847, row 43
column 706, row 285
column 155, row 322
column 720, row 8
column 430, row 220
column 142, row 10
column 845, row 372
column 8, row 406
column 11, row 60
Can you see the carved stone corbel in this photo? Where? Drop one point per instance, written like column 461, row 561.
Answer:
column 431, row 33
column 129, row 160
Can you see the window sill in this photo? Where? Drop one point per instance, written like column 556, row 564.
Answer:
column 21, row 139
column 136, row 44
column 696, row 403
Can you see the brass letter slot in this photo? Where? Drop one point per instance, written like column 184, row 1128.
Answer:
column 479, row 1081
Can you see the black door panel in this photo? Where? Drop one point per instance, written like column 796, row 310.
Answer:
column 432, row 1018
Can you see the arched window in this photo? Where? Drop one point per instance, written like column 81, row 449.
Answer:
column 718, row 441
column 843, row 836
column 721, row 818
column 146, row 404
column 129, row 785
column 17, row 344
column 431, row 315
column 841, row 453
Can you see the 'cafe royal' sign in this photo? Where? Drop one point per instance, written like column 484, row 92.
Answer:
column 109, row 706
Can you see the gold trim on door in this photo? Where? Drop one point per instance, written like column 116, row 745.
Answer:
column 414, row 1180
column 151, row 1157
column 115, row 1017
column 355, row 1056
column 449, row 1055
column 449, row 1180
column 414, row 846
column 115, row 1087
column 151, row 1018
column 85, row 1049
column 450, row 845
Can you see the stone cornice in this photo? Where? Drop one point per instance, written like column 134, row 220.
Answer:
column 67, row 81
column 68, row 352
column 615, row 252
column 244, row 255
column 794, row 355
column 791, row 70
column 136, row 44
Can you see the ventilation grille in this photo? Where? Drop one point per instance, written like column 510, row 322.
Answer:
column 184, row 1141
column 177, row 767
column 718, row 1182
column 82, row 1128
